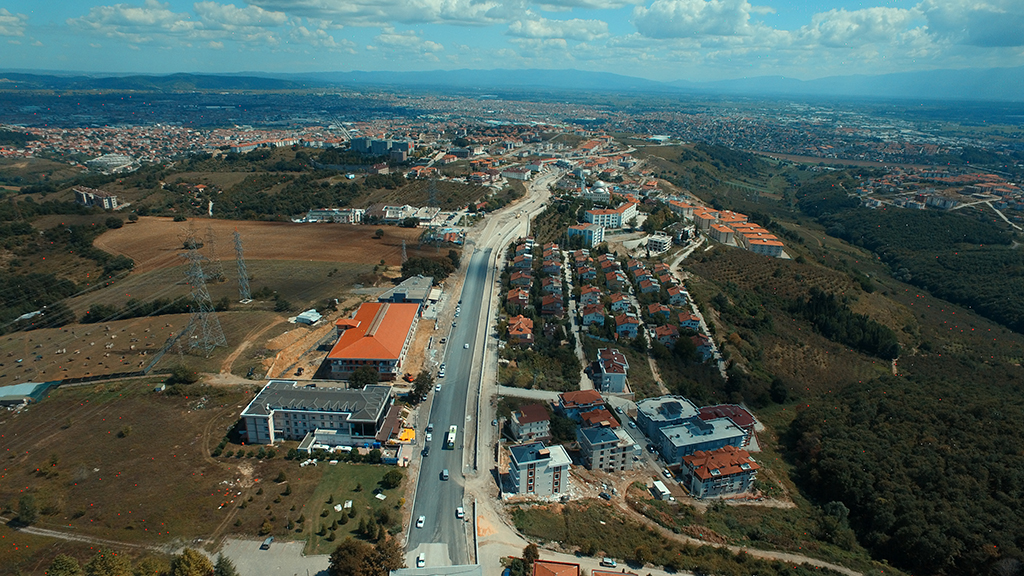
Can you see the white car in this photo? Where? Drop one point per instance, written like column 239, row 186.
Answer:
column 466, row 346
column 421, row 521
column 608, row 562
column 460, row 513
column 429, row 436
column 421, row 560
column 438, row 387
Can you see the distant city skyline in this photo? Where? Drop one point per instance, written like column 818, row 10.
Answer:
column 665, row 40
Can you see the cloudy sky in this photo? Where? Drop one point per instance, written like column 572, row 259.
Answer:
column 658, row 39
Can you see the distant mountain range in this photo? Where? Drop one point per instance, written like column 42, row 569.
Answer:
column 991, row 84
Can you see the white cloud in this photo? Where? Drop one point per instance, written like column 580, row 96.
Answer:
column 566, row 5
column 229, row 16
column 216, row 45
column 574, row 29
column 985, row 24
column 12, row 24
column 383, row 12
column 136, row 24
column 694, row 18
column 406, row 41
column 840, row 28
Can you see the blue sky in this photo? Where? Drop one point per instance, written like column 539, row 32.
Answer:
column 659, row 39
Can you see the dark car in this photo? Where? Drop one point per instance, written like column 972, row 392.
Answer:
column 605, row 495
column 426, row 450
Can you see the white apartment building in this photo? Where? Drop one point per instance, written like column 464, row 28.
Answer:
column 539, row 470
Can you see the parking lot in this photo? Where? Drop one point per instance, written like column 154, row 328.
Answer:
column 282, row 559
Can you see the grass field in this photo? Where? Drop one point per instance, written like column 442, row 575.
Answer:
column 338, row 484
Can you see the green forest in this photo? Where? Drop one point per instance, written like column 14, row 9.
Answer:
column 931, row 470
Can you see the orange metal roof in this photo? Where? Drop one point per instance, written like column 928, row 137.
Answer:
column 380, row 333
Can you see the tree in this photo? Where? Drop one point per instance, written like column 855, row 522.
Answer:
column 114, row 223
column 531, row 553
column 392, row 479
column 280, row 477
column 150, row 566
column 410, row 222
column 455, row 257
column 224, row 567
column 379, row 233
column 182, row 374
column 191, row 563
column 351, row 558
column 133, row 217
column 266, row 528
column 387, row 556
column 422, row 385
column 64, row 565
column 28, row 512
column 109, row 564
column 364, row 376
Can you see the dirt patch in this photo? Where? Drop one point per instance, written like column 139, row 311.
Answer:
column 483, row 527
column 155, row 243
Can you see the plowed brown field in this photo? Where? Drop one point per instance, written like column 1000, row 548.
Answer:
column 155, row 243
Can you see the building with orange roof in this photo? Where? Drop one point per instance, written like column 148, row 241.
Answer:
column 378, row 336
column 765, row 246
column 552, row 568
column 722, row 233
column 723, row 472
column 520, row 329
column 572, row 404
column 703, row 220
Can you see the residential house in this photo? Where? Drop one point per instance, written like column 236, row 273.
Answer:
column 551, row 305
column 659, row 311
column 551, row 285
column 627, row 325
column 677, row 296
column 722, row 472
column 667, row 334
column 518, row 297
column 587, row 273
column 611, row 371
column 599, row 417
column 703, row 345
column 648, row 287
column 667, row 279
column 520, row 330
column 619, row 303
column 590, row 295
column 531, row 423
column 539, row 470
column 523, row 261
column 552, row 568
column 572, row 404
column 551, row 266
column 522, row 278
column 616, row 280
column 592, row 314
column 688, row 321
column 604, row 448
column 635, row 265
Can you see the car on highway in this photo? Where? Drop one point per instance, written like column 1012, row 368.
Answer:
column 667, row 473
column 421, row 560
column 460, row 513
column 438, row 387
column 618, row 409
column 444, row 474
column 466, row 346
column 426, row 451
column 421, row 521
column 430, row 427
column 429, row 436
column 632, row 424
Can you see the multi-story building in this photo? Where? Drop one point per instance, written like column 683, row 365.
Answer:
column 659, row 242
column 610, row 371
column 336, row 215
column 592, row 234
column 378, row 336
column 721, row 472
column 93, row 197
column 611, row 217
column 572, row 404
column 531, row 423
column 603, row 448
column 653, row 414
column 739, row 415
column 284, row 410
column 539, row 470
column 695, row 434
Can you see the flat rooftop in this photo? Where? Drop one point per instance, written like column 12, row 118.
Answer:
column 363, row 405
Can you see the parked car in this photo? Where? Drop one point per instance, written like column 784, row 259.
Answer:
column 605, row 495
column 429, row 436
column 608, row 562
column 421, row 521
column 460, row 513
column 421, row 560
column 266, row 543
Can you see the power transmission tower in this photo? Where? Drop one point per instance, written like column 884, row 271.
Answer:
column 243, row 275
column 433, row 203
column 214, row 271
column 404, row 255
column 203, row 331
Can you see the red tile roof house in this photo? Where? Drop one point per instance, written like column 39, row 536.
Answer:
column 612, row 369
column 572, row 404
column 599, row 417
column 666, row 334
column 531, row 422
column 659, row 309
column 521, row 278
column 551, row 568
column 619, row 303
column 552, row 285
column 626, row 325
column 688, row 321
column 520, row 330
column 551, row 305
column 518, row 297
column 648, row 287
column 723, row 472
column 592, row 314
column 590, row 295
column 677, row 296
